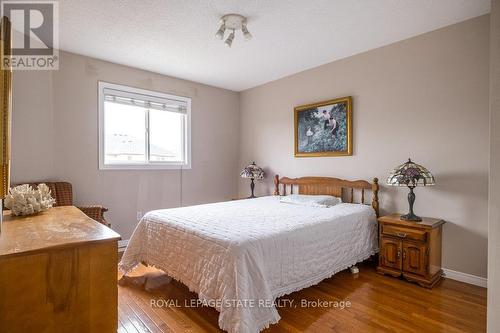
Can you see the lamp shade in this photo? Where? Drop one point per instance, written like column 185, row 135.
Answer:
column 410, row 174
column 252, row 171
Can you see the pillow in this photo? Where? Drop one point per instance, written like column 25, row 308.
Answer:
column 311, row 200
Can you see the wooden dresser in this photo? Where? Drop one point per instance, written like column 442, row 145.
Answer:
column 58, row 272
column 411, row 249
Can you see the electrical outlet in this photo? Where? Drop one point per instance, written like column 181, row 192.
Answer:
column 139, row 216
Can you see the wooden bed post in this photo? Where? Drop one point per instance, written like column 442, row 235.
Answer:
column 277, row 185
column 375, row 204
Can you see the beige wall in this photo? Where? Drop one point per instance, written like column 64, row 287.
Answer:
column 70, row 119
column 494, row 197
column 425, row 98
column 32, row 126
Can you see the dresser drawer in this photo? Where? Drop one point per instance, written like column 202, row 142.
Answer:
column 418, row 235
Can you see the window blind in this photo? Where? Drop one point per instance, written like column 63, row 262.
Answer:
column 145, row 101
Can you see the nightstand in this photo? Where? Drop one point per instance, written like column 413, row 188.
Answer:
column 411, row 249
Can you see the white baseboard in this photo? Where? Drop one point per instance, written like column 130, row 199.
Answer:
column 464, row 277
column 122, row 244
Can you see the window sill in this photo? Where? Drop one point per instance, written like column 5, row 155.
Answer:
column 146, row 167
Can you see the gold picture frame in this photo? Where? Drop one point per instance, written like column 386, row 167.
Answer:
column 323, row 129
column 6, row 106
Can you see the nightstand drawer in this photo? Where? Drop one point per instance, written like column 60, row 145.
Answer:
column 418, row 235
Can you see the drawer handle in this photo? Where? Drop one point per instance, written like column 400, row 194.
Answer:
column 401, row 234
column 399, row 254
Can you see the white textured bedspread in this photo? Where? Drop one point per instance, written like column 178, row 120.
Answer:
column 239, row 256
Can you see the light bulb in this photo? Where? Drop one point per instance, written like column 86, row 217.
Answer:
column 229, row 40
column 246, row 33
column 220, row 33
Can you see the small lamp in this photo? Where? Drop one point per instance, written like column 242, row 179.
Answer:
column 412, row 175
column 252, row 171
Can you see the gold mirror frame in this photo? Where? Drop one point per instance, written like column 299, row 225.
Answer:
column 6, row 106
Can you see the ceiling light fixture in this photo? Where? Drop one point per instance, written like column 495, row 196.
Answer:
column 246, row 33
column 229, row 40
column 233, row 22
column 220, row 32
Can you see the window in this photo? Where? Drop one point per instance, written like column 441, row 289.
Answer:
column 141, row 129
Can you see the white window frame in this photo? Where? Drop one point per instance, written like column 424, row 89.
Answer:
column 149, row 165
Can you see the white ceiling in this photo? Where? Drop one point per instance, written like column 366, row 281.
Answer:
column 176, row 37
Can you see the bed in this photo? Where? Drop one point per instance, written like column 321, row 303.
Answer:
column 240, row 256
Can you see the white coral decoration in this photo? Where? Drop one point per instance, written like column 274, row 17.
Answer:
column 24, row 200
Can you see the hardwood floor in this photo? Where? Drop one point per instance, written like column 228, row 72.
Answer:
column 378, row 304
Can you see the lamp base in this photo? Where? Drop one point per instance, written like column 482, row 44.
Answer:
column 411, row 217
column 252, row 187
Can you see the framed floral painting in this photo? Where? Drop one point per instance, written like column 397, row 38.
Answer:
column 324, row 128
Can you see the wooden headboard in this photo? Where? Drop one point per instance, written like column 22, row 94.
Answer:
column 345, row 189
